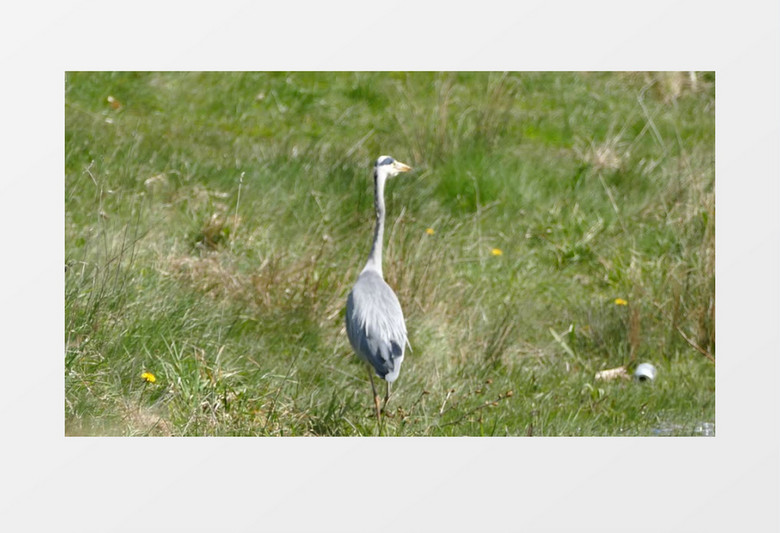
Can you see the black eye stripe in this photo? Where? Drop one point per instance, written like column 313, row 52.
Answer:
column 385, row 161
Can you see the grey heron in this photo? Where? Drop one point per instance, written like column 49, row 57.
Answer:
column 375, row 322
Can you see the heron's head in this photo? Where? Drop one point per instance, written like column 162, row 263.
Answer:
column 389, row 166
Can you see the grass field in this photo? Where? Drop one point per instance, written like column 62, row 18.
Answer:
column 555, row 225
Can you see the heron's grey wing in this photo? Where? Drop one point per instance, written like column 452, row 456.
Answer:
column 375, row 325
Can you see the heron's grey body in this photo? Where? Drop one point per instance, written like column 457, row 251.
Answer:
column 375, row 322
column 375, row 325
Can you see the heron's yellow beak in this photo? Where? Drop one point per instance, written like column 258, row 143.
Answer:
column 401, row 167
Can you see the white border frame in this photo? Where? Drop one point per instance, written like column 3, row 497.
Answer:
column 726, row 483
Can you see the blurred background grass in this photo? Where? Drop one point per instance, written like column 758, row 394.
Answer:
column 215, row 223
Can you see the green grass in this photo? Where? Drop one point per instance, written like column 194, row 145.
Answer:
column 215, row 223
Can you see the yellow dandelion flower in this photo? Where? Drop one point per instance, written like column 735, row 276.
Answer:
column 430, row 231
column 149, row 377
column 620, row 301
column 496, row 251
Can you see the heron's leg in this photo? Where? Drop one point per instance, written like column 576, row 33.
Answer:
column 373, row 388
column 387, row 396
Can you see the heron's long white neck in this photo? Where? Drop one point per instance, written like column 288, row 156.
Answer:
column 375, row 258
